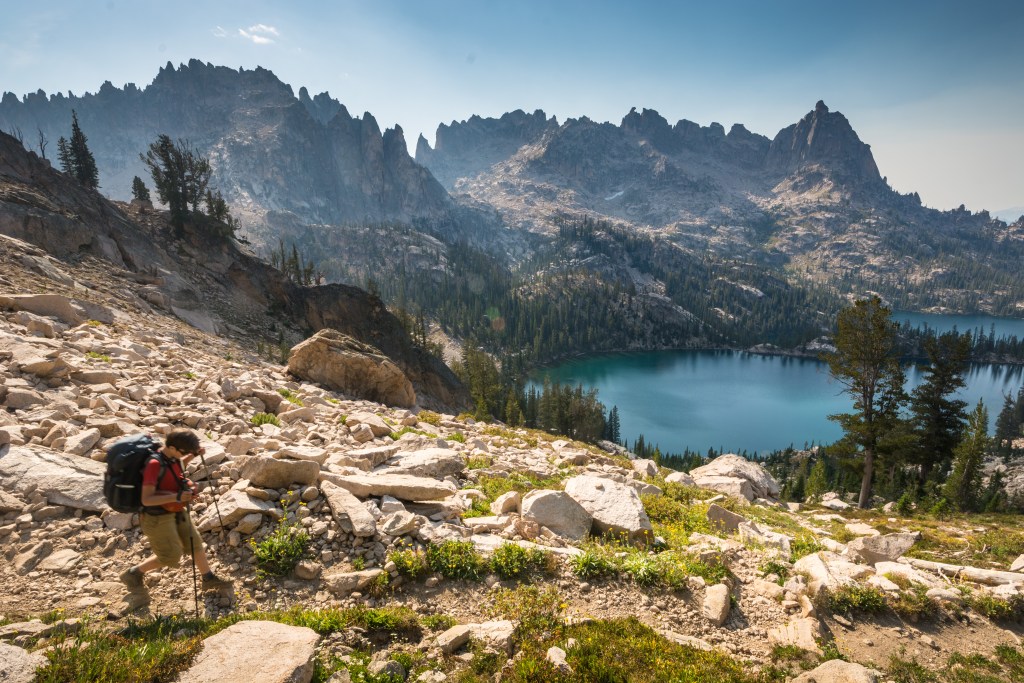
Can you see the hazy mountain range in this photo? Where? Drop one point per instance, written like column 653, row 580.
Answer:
column 808, row 204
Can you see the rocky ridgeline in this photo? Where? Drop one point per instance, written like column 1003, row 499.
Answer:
column 77, row 376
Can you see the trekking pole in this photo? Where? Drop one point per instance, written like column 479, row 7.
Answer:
column 213, row 495
column 192, row 547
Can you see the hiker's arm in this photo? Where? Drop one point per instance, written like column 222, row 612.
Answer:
column 151, row 497
column 188, row 458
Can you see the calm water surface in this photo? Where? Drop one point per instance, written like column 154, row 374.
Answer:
column 734, row 401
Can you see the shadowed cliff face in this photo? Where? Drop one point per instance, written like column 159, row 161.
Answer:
column 270, row 150
column 201, row 273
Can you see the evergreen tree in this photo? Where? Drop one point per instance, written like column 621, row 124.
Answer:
column 82, row 162
column 962, row 487
column 612, row 426
column 180, row 176
column 139, row 189
column 866, row 362
column 64, row 156
column 939, row 419
column 817, row 481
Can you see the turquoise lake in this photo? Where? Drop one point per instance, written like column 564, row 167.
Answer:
column 733, row 400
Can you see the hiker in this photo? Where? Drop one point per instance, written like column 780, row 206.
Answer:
column 165, row 518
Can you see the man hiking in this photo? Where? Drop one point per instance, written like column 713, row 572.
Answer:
column 165, row 519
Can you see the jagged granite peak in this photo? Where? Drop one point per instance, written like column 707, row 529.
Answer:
column 323, row 107
column 272, row 152
column 466, row 148
column 825, row 139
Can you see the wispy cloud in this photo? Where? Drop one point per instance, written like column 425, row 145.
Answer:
column 259, row 34
column 219, row 32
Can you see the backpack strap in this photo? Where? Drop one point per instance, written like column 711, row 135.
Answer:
column 164, row 467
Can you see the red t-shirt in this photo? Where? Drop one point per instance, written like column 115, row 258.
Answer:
column 171, row 481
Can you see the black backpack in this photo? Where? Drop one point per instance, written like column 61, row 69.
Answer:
column 126, row 459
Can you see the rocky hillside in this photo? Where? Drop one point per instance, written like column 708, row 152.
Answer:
column 475, row 529
column 211, row 283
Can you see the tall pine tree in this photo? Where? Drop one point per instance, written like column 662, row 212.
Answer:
column 82, row 162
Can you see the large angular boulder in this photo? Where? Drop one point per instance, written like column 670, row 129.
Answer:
column 278, row 474
column 70, row 311
column 838, row 671
column 723, row 520
column 429, row 462
column 263, row 651
column 727, row 472
column 339, row 362
column 67, row 480
column 558, row 511
column 803, row 633
column 18, row 665
column 343, row 583
column 716, row 604
column 615, row 507
column 400, row 486
column 349, row 512
column 234, row 506
column 887, row 548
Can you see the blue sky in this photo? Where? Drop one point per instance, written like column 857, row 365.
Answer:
column 936, row 88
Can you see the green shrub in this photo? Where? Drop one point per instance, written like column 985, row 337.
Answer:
column 410, row 563
column 278, row 553
column 438, row 622
column 856, row 598
column 396, row 435
column 97, row 356
column 536, row 609
column 905, row 505
column 912, row 601
column 457, row 436
column 996, row 609
column 455, row 560
column 780, row 569
column 591, row 564
column 430, row 417
column 290, row 397
column 264, row 418
column 803, row 545
column 643, row 568
column 510, row 561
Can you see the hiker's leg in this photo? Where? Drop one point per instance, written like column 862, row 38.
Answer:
column 163, row 541
column 185, row 529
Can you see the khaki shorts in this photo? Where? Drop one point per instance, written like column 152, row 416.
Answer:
column 169, row 536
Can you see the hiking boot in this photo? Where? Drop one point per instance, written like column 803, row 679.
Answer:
column 212, row 582
column 133, row 580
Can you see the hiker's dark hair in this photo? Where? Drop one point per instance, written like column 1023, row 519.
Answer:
column 184, row 440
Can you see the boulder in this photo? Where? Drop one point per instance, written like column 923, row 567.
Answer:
column 278, row 474
column 64, row 479
column 1018, row 564
column 832, row 501
column 82, row 443
column 723, row 520
column 887, row 548
column 645, row 468
column 17, row 665
column 558, row 511
column 350, row 514
column 239, row 654
column 317, row 455
column 497, row 634
column 680, row 478
column 399, row 523
column 234, row 506
column 344, row 583
column 803, row 633
column 838, row 671
column 339, row 362
column 506, row 503
column 377, row 425
column 61, row 561
column 400, row 486
column 615, row 508
column 429, row 462
column 9, row 503
column 69, row 311
column 454, row 638
column 716, row 604
column 752, row 533
column 732, row 466
column 730, row 486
